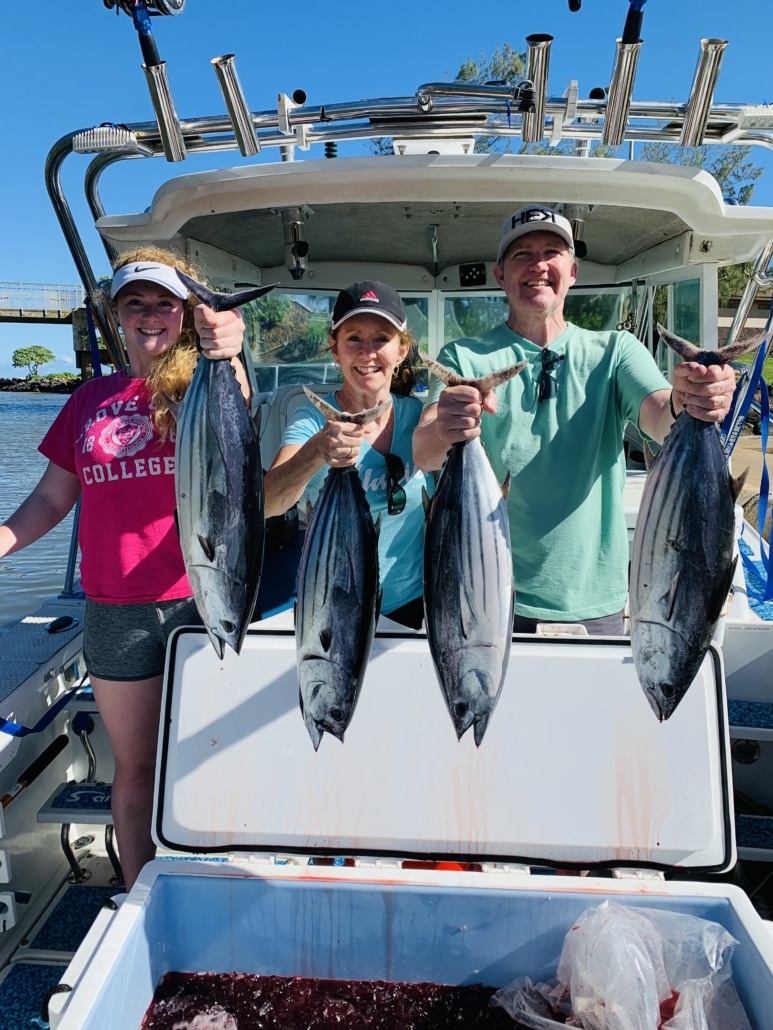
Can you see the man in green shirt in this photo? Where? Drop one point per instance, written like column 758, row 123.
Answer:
column 557, row 428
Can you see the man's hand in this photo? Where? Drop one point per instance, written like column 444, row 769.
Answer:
column 459, row 411
column 704, row 391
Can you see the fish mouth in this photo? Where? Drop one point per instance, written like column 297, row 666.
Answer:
column 325, row 687
column 473, row 703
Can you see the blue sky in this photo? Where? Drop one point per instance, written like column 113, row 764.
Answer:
column 73, row 65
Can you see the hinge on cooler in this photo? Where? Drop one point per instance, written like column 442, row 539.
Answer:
column 638, row 874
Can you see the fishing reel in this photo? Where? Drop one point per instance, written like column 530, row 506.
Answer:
column 154, row 7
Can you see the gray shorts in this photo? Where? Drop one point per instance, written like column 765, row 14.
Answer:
column 128, row 641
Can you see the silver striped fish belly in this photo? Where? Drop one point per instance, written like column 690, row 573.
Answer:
column 220, row 510
column 682, row 563
column 468, row 587
column 338, row 604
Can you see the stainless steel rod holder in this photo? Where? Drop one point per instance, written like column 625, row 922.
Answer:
column 533, row 123
column 702, row 92
column 236, row 105
column 163, row 104
column 620, row 92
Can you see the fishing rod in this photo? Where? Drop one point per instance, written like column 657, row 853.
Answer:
column 632, row 29
column 141, row 12
column 155, row 7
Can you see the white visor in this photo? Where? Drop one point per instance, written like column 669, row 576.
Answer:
column 148, row 272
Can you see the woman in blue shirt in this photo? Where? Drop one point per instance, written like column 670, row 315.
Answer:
column 370, row 341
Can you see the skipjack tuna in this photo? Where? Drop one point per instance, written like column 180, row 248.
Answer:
column 338, row 594
column 219, row 487
column 682, row 564
column 468, row 574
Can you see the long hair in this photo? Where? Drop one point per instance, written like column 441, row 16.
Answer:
column 171, row 371
column 404, row 376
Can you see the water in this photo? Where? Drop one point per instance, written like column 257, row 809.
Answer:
column 30, row 576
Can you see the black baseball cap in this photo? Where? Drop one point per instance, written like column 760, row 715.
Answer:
column 370, row 297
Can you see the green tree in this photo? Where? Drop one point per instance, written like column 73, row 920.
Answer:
column 504, row 66
column 32, row 357
column 732, row 168
column 736, row 176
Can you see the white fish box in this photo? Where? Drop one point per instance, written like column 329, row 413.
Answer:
column 574, row 769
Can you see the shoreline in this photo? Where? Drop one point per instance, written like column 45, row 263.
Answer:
column 40, row 385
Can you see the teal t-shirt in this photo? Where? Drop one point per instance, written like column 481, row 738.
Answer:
column 401, row 538
column 566, row 462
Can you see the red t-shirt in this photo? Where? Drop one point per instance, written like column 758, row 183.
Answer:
column 104, row 434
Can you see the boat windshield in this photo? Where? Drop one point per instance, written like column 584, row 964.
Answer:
column 287, row 331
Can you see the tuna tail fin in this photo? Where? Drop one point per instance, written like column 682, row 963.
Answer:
column 689, row 352
column 485, row 384
column 221, row 301
column 736, row 350
column 686, row 350
column 332, row 414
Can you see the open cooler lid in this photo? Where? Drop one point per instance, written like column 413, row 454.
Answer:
column 574, row 766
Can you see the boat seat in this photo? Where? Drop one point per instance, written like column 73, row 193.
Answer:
column 750, row 714
column 276, row 411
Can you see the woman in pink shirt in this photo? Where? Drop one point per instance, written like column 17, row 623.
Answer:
column 113, row 445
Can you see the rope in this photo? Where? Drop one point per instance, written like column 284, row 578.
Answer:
column 750, row 381
column 96, row 363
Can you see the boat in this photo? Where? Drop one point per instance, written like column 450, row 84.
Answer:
column 274, row 858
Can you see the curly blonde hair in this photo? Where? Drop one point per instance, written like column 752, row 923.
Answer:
column 171, row 371
column 404, row 376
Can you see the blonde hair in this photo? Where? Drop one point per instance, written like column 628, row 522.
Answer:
column 170, row 373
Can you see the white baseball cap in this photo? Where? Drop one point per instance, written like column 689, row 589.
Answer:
column 533, row 218
column 149, row 272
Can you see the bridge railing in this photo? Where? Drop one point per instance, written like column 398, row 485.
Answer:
column 40, row 297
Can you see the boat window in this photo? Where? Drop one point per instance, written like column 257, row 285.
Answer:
column 287, row 334
column 467, row 315
column 471, row 315
column 677, row 306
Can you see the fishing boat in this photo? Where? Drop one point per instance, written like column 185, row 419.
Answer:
column 403, row 854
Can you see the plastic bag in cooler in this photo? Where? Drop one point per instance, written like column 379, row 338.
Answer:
column 634, row 969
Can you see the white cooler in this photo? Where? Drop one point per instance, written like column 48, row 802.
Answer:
column 574, row 770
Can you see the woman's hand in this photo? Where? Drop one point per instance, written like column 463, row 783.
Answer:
column 339, row 443
column 221, row 333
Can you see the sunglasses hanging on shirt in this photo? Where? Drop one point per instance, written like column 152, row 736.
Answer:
column 547, row 387
column 395, row 492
